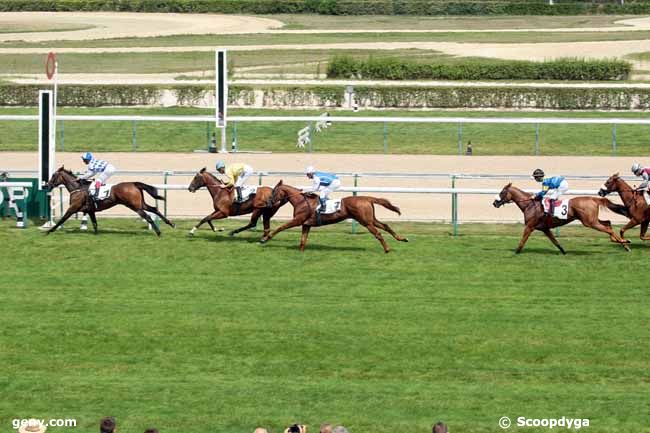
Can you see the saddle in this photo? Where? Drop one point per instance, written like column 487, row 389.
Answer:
column 560, row 209
column 246, row 193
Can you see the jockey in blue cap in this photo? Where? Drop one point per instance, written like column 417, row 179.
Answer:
column 97, row 167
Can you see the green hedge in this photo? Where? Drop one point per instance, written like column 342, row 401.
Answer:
column 377, row 97
column 340, row 7
column 397, row 69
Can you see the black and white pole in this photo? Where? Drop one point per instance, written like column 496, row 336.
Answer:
column 221, row 94
column 46, row 145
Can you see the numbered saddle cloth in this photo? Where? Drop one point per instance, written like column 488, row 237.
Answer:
column 104, row 191
column 331, row 206
column 247, row 192
column 561, row 209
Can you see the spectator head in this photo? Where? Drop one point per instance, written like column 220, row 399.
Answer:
column 107, row 425
column 296, row 428
column 340, row 429
column 260, row 430
column 151, row 430
column 439, row 427
column 326, row 428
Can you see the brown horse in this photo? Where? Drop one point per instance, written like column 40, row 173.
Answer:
column 129, row 194
column 304, row 213
column 584, row 209
column 222, row 200
column 639, row 212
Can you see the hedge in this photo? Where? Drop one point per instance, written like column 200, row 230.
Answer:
column 340, row 7
column 347, row 67
column 332, row 96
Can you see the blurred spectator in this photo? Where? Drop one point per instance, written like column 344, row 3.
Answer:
column 326, row 428
column 439, row 427
column 296, row 428
column 107, row 425
column 340, row 429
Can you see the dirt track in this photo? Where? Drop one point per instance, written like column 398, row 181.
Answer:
column 414, row 206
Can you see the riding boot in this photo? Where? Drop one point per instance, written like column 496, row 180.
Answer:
column 239, row 193
column 323, row 202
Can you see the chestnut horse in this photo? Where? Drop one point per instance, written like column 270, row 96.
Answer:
column 304, row 213
column 222, row 200
column 584, row 209
column 639, row 212
column 129, row 194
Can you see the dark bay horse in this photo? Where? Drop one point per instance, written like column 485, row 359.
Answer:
column 639, row 212
column 584, row 209
column 222, row 200
column 361, row 208
column 129, row 194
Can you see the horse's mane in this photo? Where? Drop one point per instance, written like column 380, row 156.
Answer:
column 65, row 170
column 212, row 176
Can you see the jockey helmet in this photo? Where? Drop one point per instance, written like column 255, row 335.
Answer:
column 538, row 173
column 87, row 156
column 220, row 165
column 636, row 168
column 310, row 170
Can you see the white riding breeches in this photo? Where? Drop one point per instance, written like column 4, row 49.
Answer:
column 104, row 175
column 248, row 171
column 324, row 191
column 554, row 193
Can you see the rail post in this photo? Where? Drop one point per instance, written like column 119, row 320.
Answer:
column 537, row 139
column 309, row 136
column 460, row 138
column 356, row 183
column 259, row 179
column 207, row 134
column 385, row 137
column 454, row 206
column 165, row 176
column 234, row 145
column 134, row 136
column 614, row 144
column 62, row 137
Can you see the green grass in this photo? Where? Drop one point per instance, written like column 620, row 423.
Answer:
column 279, row 38
column 487, row 139
column 186, row 333
column 394, row 22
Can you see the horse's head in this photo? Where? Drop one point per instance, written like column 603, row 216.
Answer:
column 59, row 178
column 198, row 181
column 504, row 197
column 4, row 176
column 279, row 193
column 610, row 185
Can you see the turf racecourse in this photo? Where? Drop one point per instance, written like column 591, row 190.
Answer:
column 213, row 334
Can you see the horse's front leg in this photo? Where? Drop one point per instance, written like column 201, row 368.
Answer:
column 63, row 219
column 626, row 227
column 213, row 216
column 293, row 223
column 93, row 219
column 527, row 231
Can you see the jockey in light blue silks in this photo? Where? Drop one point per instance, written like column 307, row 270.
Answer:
column 552, row 188
column 97, row 167
column 322, row 183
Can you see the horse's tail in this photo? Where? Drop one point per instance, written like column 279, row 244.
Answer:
column 616, row 208
column 385, row 203
column 152, row 190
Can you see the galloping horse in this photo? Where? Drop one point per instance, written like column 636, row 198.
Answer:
column 639, row 212
column 304, row 213
column 222, row 200
column 584, row 209
column 129, row 194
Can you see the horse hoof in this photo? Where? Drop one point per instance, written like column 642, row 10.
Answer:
column 261, row 241
column 190, row 234
column 221, row 229
column 231, row 234
column 173, row 225
column 405, row 240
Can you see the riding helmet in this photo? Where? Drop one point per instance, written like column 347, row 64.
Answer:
column 220, row 165
column 87, row 156
column 636, row 168
column 538, row 173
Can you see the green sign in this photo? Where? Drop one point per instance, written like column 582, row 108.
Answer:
column 37, row 203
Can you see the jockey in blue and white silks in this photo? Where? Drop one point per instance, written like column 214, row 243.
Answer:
column 322, row 183
column 97, row 167
column 552, row 188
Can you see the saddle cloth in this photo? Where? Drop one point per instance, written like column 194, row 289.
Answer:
column 561, row 210
column 332, row 206
column 247, row 192
column 104, row 191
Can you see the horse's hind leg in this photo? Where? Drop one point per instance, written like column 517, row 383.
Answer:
column 606, row 229
column 372, row 229
column 251, row 224
column 644, row 229
column 549, row 234
column 154, row 209
column 148, row 219
column 387, row 228
column 303, row 238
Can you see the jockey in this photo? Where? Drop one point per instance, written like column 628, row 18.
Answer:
column 237, row 175
column 643, row 173
column 552, row 188
column 97, row 166
column 322, row 183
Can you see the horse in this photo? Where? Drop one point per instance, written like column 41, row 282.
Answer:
column 584, row 209
column 129, row 194
column 361, row 208
column 222, row 200
column 639, row 212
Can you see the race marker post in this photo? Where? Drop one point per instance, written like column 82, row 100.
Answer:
column 221, row 95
